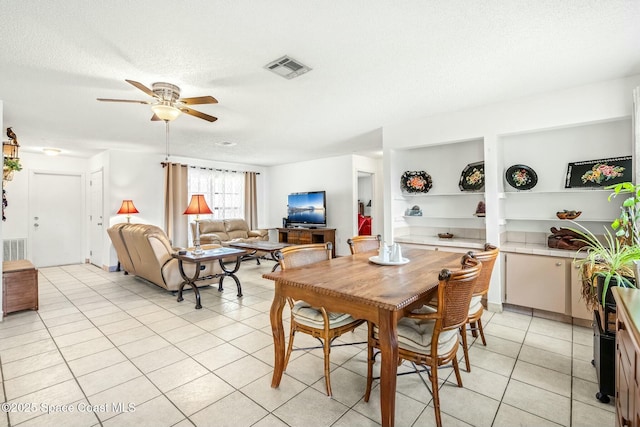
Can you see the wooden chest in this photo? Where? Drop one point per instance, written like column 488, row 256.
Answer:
column 19, row 286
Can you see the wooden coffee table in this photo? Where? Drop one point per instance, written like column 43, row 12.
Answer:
column 262, row 246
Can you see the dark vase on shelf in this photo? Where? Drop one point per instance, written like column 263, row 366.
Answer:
column 609, row 296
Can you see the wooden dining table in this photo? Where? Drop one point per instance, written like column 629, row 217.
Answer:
column 381, row 294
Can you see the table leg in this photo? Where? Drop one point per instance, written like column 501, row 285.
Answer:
column 273, row 257
column 191, row 282
column 230, row 273
column 388, row 335
column 278, row 335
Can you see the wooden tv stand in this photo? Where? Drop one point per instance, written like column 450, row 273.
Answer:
column 305, row 236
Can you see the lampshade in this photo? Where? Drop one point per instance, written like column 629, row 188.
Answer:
column 197, row 206
column 127, row 208
column 165, row 111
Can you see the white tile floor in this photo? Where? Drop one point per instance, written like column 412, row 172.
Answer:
column 109, row 349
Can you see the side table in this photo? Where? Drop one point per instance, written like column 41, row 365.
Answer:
column 19, row 286
column 209, row 255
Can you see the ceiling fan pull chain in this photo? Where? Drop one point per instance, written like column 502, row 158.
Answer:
column 166, row 123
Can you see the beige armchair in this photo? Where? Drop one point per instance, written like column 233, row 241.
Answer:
column 145, row 251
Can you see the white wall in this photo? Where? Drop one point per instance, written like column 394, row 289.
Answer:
column 1, row 222
column 335, row 175
column 603, row 101
column 19, row 220
column 126, row 175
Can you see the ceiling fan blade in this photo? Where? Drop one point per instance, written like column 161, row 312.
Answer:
column 199, row 100
column 142, row 87
column 198, row 114
column 155, row 118
column 122, row 100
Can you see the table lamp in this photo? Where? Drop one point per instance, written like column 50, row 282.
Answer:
column 127, row 208
column 196, row 207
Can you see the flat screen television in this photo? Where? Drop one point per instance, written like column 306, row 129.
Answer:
column 307, row 209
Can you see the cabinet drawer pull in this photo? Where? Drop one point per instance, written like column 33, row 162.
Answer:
column 558, row 264
column 621, row 326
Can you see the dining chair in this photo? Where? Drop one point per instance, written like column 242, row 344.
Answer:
column 359, row 244
column 474, row 318
column 315, row 321
column 428, row 336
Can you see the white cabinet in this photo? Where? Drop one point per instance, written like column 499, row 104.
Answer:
column 537, row 281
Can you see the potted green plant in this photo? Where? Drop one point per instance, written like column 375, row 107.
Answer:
column 627, row 225
column 9, row 167
column 605, row 263
column 613, row 259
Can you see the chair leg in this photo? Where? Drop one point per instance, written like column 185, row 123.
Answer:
column 474, row 329
column 465, row 348
column 456, row 369
column 370, row 361
column 327, row 365
column 292, row 333
column 435, row 392
column 484, row 342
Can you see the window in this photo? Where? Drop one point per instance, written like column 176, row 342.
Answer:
column 223, row 190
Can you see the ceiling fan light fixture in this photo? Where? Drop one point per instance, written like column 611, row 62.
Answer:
column 165, row 111
column 51, row 151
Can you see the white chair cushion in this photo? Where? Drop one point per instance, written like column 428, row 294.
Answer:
column 312, row 317
column 475, row 305
column 415, row 334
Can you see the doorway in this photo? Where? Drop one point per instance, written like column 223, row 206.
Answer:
column 55, row 218
column 96, row 229
column 365, row 203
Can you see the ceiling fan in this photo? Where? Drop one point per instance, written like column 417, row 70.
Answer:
column 167, row 104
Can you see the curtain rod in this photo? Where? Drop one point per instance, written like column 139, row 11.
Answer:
column 164, row 164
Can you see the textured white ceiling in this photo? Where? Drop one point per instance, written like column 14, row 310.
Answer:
column 374, row 62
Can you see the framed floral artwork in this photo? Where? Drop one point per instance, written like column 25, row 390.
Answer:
column 599, row 173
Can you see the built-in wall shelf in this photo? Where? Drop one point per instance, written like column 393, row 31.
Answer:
column 560, row 221
column 442, row 217
column 563, row 191
column 427, row 195
column 462, row 243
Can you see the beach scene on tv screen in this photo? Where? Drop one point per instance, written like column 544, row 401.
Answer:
column 306, row 208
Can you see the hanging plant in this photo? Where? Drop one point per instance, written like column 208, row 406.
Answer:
column 12, row 164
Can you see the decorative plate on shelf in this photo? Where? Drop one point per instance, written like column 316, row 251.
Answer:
column 472, row 178
column 521, row 177
column 415, row 182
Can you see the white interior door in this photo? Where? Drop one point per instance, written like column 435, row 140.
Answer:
column 56, row 212
column 96, row 228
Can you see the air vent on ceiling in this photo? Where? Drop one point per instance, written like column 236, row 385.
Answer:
column 287, row 67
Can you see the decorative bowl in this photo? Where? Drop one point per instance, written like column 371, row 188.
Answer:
column 445, row 235
column 568, row 214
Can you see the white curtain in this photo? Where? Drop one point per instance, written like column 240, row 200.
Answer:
column 223, row 191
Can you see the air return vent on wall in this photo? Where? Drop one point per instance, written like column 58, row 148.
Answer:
column 287, row 67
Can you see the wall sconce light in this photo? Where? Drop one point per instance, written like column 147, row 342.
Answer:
column 196, row 207
column 10, row 148
column 127, row 209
